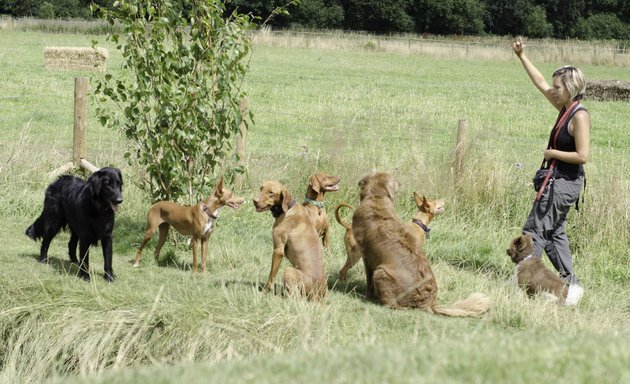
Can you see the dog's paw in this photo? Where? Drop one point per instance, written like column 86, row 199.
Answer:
column 109, row 277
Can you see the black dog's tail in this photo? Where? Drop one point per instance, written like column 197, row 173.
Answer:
column 36, row 230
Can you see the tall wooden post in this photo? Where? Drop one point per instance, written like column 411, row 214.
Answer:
column 79, row 140
column 80, row 120
column 460, row 150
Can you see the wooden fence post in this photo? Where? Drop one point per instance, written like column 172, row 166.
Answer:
column 240, row 144
column 460, row 150
column 80, row 120
column 79, row 138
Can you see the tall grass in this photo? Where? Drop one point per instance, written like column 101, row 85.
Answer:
column 343, row 112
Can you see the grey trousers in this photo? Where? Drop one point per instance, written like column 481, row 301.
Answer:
column 546, row 223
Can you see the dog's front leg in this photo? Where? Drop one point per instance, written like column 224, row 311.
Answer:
column 194, row 249
column 84, row 260
column 106, row 243
column 276, row 258
column 204, row 253
column 72, row 247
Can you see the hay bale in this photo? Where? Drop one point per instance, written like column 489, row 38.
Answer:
column 91, row 59
column 608, row 90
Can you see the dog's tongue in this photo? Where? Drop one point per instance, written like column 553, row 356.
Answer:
column 114, row 207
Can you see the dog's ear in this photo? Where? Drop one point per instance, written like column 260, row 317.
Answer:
column 218, row 190
column 120, row 178
column 285, row 199
column 426, row 207
column 314, row 183
column 95, row 183
column 417, row 199
column 392, row 187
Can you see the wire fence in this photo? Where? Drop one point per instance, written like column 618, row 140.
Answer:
column 491, row 48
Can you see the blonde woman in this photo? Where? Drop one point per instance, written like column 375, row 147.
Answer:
column 566, row 153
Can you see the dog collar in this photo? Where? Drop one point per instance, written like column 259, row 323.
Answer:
column 422, row 226
column 526, row 258
column 211, row 214
column 276, row 210
column 318, row 204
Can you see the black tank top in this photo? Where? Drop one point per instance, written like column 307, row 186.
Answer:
column 566, row 143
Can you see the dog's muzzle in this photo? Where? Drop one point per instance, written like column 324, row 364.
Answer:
column 115, row 203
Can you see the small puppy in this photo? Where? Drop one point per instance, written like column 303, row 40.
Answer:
column 294, row 236
column 318, row 184
column 534, row 277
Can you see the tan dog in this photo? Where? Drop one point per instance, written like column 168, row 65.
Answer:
column 534, row 277
column 397, row 270
column 196, row 221
column 427, row 210
column 352, row 248
column 294, row 236
column 318, row 184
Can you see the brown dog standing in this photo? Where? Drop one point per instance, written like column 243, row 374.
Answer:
column 534, row 277
column 318, row 184
column 427, row 210
column 294, row 236
column 196, row 221
column 398, row 273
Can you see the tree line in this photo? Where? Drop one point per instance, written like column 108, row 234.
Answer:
column 562, row 19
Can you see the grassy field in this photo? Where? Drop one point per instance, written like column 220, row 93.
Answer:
column 341, row 111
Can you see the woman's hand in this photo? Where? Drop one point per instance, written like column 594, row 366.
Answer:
column 517, row 46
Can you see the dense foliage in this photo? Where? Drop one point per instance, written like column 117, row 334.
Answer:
column 179, row 106
column 585, row 19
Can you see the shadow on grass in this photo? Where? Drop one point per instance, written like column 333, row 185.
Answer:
column 62, row 266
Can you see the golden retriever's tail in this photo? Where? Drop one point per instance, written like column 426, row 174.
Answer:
column 343, row 223
column 474, row 305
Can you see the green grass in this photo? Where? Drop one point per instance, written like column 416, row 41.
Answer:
column 342, row 112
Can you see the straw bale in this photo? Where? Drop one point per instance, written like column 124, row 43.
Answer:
column 92, row 59
column 607, row 90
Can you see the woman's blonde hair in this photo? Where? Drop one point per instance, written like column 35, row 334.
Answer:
column 572, row 79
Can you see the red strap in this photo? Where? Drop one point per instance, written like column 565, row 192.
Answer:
column 560, row 121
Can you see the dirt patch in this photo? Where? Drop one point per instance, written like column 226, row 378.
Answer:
column 607, row 90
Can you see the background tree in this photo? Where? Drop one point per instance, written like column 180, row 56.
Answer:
column 448, row 17
column 378, row 16
column 179, row 102
column 316, row 14
column 508, row 17
column 536, row 24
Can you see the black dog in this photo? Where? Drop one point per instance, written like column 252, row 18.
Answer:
column 88, row 208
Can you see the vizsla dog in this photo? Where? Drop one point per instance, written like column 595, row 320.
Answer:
column 397, row 270
column 318, row 184
column 196, row 221
column 294, row 236
column 427, row 210
column 534, row 277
